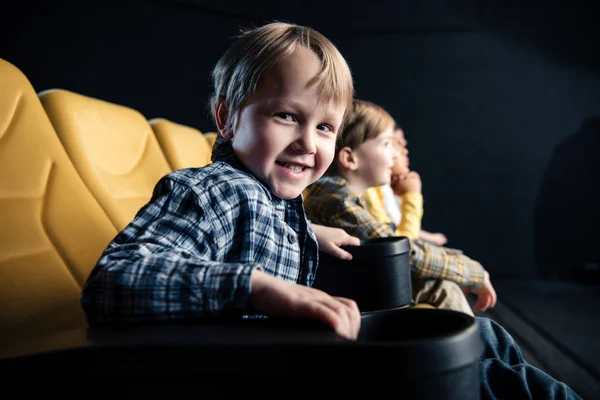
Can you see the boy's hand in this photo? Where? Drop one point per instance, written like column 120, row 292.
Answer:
column 410, row 182
column 439, row 239
column 330, row 240
column 278, row 298
column 486, row 295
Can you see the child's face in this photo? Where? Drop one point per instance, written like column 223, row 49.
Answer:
column 401, row 166
column 399, row 138
column 285, row 134
column 375, row 159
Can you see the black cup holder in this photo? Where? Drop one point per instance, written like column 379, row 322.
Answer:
column 412, row 324
column 434, row 354
column 377, row 278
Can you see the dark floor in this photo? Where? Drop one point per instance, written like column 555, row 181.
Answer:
column 557, row 325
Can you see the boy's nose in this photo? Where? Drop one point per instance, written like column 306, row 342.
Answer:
column 306, row 142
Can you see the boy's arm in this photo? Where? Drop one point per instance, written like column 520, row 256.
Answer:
column 412, row 214
column 409, row 188
column 159, row 267
column 411, row 211
column 430, row 261
column 356, row 220
column 375, row 204
column 276, row 297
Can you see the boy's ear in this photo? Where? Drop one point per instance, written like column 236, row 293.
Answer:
column 347, row 159
column 221, row 112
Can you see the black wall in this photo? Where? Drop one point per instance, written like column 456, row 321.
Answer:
column 485, row 94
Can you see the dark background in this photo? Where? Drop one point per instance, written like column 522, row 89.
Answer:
column 492, row 97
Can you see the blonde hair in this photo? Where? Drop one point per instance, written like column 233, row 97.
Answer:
column 237, row 73
column 364, row 121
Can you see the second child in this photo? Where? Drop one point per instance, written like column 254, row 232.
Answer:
column 365, row 156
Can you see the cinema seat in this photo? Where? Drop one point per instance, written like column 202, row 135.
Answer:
column 113, row 148
column 211, row 137
column 183, row 146
column 52, row 229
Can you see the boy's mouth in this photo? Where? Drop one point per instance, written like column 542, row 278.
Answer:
column 295, row 168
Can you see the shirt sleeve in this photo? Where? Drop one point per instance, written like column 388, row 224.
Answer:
column 355, row 219
column 411, row 212
column 437, row 262
column 163, row 266
column 375, row 205
column 412, row 215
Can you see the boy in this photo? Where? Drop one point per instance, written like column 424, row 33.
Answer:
column 365, row 158
column 280, row 95
column 232, row 238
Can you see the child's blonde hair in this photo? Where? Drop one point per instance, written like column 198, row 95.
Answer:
column 364, row 121
column 237, row 73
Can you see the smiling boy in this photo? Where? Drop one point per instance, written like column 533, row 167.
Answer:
column 232, row 238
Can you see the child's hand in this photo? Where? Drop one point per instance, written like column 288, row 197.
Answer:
column 439, row 239
column 278, row 298
column 486, row 295
column 330, row 240
column 410, row 182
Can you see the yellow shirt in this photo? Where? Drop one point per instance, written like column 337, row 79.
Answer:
column 411, row 209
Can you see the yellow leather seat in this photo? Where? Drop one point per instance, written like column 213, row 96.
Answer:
column 113, row 148
column 211, row 137
column 184, row 146
column 52, row 229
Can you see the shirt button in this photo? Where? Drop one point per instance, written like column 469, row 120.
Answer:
column 291, row 238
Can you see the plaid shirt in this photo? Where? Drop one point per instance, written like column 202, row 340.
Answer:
column 330, row 202
column 192, row 249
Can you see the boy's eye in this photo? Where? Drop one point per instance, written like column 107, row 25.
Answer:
column 325, row 128
column 286, row 116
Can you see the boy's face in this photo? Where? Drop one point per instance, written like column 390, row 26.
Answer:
column 399, row 138
column 285, row 134
column 375, row 159
column 401, row 166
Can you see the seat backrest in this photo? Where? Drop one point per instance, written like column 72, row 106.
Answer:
column 52, row 229
column 211, row 137
column 183, row 146
column 113, row 148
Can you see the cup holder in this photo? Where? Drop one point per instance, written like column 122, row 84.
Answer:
column 378, row 276
column 432, row 354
